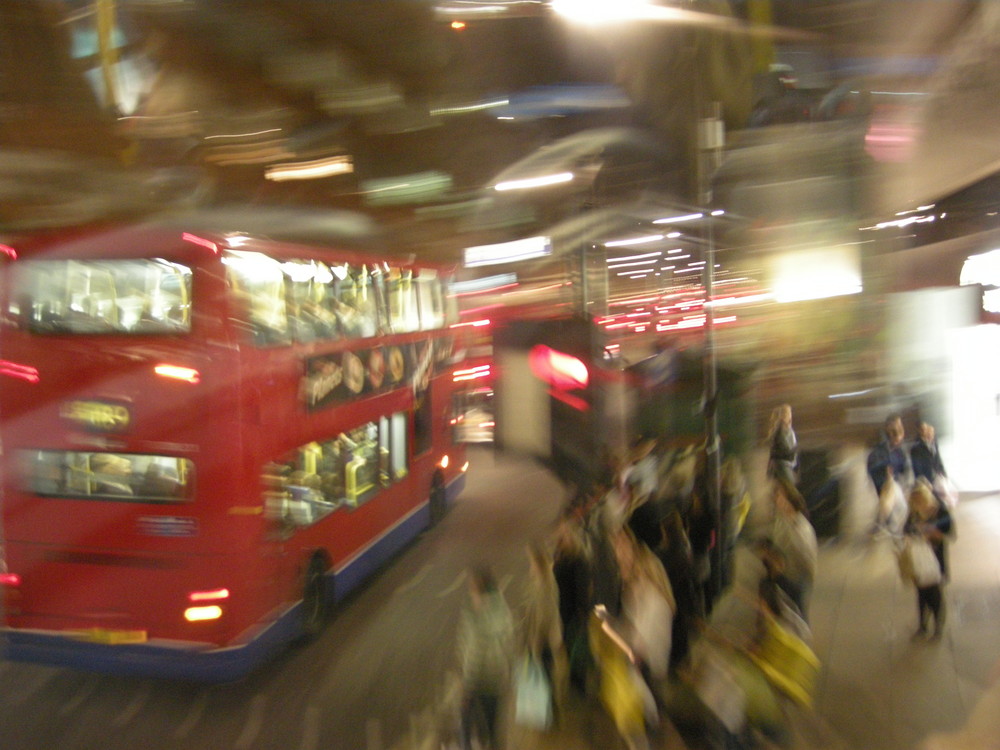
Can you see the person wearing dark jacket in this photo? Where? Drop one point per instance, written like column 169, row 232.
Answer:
column 889, row 458
column 925, row 456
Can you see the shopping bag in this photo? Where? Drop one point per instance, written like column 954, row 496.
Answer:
column 788, row 663
column 926, row 570
column 893, row 509
column 533, row 699
column 945, row 489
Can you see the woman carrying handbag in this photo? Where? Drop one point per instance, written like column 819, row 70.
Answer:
column 922, row 557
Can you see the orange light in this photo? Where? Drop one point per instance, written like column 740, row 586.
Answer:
column 187, row 374
column 208, row 596
column 10, row 579
column 556, row 368
column 443, row 463
column 200, row 614
column 465, row 466
column 458, row 25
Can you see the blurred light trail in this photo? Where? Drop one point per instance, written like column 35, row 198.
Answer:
column 310, row 170
column 677, row 219
column 26, row 373
column 530, row 183
column 201, row 241
column 635, row 241
column 507, row 252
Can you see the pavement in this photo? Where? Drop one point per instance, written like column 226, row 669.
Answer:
column 879, row 687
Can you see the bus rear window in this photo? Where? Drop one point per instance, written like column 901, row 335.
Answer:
column 127, row 477
column 131, row 296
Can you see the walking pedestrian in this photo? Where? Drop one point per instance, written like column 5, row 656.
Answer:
column 541, row 625
column 485, row 645
column 928, row 528
column 794, row 536
column 674, row 552
column 892, row 474
column 783, row 456
column 570, row 570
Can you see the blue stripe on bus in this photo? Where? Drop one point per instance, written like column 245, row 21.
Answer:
column 209, row 664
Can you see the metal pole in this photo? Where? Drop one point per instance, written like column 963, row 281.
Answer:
column 710, row 150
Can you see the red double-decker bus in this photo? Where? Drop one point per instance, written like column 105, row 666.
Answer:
column 209, row 436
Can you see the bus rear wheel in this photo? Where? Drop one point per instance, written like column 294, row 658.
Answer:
column 314, row 609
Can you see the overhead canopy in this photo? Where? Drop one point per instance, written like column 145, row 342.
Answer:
column 958, row 124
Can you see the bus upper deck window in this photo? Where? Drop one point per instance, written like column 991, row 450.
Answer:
column 259, row 282
column 129, row 296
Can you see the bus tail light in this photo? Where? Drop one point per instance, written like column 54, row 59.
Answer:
column 465, row 467
column 208, row 596
column 443, row 463
column 187, row 374
column 201, row 614
column 26, row 373
column 10, row 579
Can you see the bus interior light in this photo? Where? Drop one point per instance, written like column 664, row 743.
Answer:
column 201, row 614
column 208, row 595
column 175, row 372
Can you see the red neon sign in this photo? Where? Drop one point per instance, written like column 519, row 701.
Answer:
column 564, row 371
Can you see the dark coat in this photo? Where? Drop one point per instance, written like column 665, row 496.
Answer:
column 882, row 456
column 926, row 460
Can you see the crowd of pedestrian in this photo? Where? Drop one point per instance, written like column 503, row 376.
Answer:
column 627, row 610
column 650, row 600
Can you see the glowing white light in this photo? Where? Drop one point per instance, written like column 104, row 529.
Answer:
column 816, row 273
column 635, row 241
column 596, row 12
column 297, row 272
column 991, row 301
column 470, row 107
column 508, row 252
column 484, row 284
column 634, row 263
column 981, row 269
column 310, row 170
column 623, row 258
column 677, row 219
column 534, row 182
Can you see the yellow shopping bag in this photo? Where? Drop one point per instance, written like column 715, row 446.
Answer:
column 788, row 663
